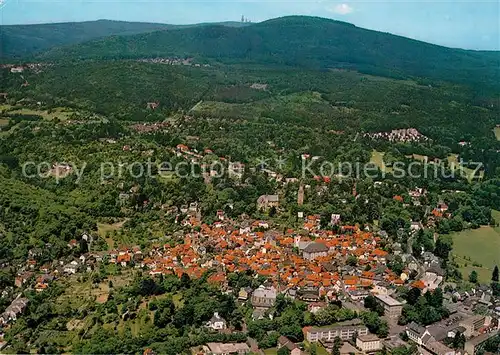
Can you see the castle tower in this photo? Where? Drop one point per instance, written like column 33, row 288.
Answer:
column 300, row 197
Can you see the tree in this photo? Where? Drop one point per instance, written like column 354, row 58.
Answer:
column 396, row 264
column 371, row 303
column 372, row 321
column 494, row 275
column 443, row 247
column 283, row 351
column 337, row 344
column 473, row 277
column 185, row 280
column 458, row 341
column 383, row 329
column 293, row 332
column 437, row 298
column 352, row 260
column 413, row 295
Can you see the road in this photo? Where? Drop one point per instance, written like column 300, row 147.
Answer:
column 196, row 106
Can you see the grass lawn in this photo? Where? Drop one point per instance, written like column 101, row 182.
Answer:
column 497, row 132
column 481, row 246
column 320, row 350
column 378, row 159
column 4, row 122
column 496, row 215
column 271, row 351
column 176, row 298
column 104, row 228
column 453, row 161
column 60, row 112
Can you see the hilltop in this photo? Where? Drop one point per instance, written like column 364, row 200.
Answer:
column 307, row 42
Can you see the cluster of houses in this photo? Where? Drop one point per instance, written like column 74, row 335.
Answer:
column 150, row 127
column 172, row 61
column 399, row 135
column 18, row 69
column 477, row 329
column 14, row 310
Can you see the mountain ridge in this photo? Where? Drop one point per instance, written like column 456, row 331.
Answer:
column 300, row 41
column 18, row 41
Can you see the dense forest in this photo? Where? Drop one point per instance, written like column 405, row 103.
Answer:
column 19, row 41
column 300, row 41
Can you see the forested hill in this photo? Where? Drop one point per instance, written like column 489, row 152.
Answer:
column 22, row 40
column 301, row 41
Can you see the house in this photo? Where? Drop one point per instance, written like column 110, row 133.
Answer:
column 308, row 294
column 368, row 343
column 381, row 288
column 357, row 295
column 287, row 343
column 473, row 344
column 315, row 250
column 472, row 324
column 415, row 227
column 16, row 308
column 334, row 219
column 343, row 330
column 220, row 215
column 261, row 313
column 418, row 334
column 245, row 227
column 265, row 202
column 123, row 259
column 23, row 278
column 442, row 207
column 436, row 347
column 153, row 105
column 42, row 282
column 264, row 297
column 236, row 170
column 216, row 322
column 16, row 69
column 433, row 277
column 316, row 307
column 226, row 349
column 430, row 338
column 71, row 268
column 430, row 259
column 244, row 293
column 392, row 307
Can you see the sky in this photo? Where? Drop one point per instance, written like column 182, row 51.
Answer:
column 452, row 23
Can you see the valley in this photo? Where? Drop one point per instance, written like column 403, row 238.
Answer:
column 271, row 188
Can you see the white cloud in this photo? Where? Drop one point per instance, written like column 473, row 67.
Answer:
column 341, row 9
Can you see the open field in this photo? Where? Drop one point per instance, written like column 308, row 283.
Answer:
column 496, row 216
column 452, row 162
column 59, row 112
column 496, row 130
column 104, row 228
column 78, row 293
column 378, row 159
column 480, row 246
